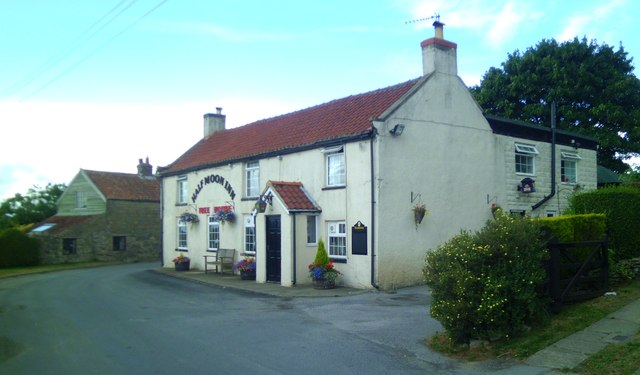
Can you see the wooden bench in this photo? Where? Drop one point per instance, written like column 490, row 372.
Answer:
column 221, row 259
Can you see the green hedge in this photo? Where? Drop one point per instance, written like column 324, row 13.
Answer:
column 18, row 249
column 484, row 285
column 621, row 205
column 574, row 228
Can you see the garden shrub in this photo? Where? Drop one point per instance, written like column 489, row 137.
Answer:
column 621, row 205
column 485, row 284
column 18, row 249
column 574, row 228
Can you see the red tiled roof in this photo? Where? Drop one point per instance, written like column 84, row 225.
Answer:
column 294, row 196
column 125, row 186
column 61, row 223
column 350, row 116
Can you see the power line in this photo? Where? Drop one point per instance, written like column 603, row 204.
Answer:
column 85, row 58
column 82, row 39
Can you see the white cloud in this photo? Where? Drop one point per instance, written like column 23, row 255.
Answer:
column 590, row 22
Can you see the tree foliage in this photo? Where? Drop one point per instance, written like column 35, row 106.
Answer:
column 593, row 85
column 35, row 206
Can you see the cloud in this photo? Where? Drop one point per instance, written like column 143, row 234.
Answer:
column 589, row 22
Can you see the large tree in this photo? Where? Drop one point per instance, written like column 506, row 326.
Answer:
column 596, row 92
column 37, row 205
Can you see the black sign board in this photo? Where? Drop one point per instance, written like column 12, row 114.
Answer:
column 359, row 239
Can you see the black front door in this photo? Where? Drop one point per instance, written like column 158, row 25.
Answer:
column 273, row 248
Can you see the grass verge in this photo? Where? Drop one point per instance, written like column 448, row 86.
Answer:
column 19, row 271
column 569, row 320
column 616, row 359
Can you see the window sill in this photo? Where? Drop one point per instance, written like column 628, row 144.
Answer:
column 338, row 260
column 249, row 199
column 182, row 249
column 335, row 187
column 181, row 204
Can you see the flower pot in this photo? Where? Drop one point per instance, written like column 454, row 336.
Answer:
column 323, row 284
column 419, row 215
column 247, row 275
column 182, row 266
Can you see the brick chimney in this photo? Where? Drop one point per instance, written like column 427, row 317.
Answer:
column 438, row 54
column 144, row 168
column 214, row 122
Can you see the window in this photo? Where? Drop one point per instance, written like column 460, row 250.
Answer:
column 312, row 230
column 81, row 200
column 182, row 189
column 70, row 245
column 214, row 234
column 249, row 235
column 252, row 179
column 525, row 159
column 337, row 239
column 336, row 175
column 119, row 243
column 569, row 167
column 182, row 235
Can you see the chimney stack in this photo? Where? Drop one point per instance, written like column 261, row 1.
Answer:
column 145, row 169
column 439, row 55
column 214, row 122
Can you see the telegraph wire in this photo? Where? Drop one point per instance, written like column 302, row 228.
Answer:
column 55, row 60
column 86, row 57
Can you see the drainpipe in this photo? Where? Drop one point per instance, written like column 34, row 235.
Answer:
column 553, row 159
column 294, row 248
column 374, row 131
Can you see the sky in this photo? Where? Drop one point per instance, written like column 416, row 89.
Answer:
column 101, row 84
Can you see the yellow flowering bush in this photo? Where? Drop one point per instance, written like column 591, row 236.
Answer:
column 489, row 284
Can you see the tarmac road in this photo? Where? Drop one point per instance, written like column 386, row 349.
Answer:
column 130, row 320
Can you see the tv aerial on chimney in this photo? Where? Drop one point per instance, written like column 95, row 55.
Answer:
column 436, row 17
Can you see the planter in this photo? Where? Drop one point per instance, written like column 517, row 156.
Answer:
column 419, row 215
column 182, row 266
column 247, row 275
column 323, row 284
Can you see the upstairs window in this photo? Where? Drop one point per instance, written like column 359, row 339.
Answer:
column 335, row 166
column 569, row 167
column 182, row 189
column 81, row 200
column 252, row 179
column 525, row 159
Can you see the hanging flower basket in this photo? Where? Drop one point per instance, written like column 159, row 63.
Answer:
column 419, row 213
column 225, row 213
column 188, row 217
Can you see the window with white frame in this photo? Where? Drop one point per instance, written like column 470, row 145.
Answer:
column 249, row 235
column 81, row 200
column 569, row 167
column 252, row 179
column 312, row 230
column 213, row 242
column 337, row 239
column 336, row 171
column 526, row 159
column 182, row 189
column 182, row 235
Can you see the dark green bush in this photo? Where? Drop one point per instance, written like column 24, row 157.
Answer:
column 621, row 205
column 573, row 228
column 18, row 249
column 485, row 284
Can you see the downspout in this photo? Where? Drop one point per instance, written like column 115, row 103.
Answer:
column 374, row 131
column 294, row 248
column 161, row 222
column 553, row 159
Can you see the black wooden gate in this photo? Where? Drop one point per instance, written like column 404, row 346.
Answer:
column 578, row 270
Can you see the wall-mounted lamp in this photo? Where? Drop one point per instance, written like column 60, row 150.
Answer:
column 261, row 204
column 575, row 144
column 397, row 130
